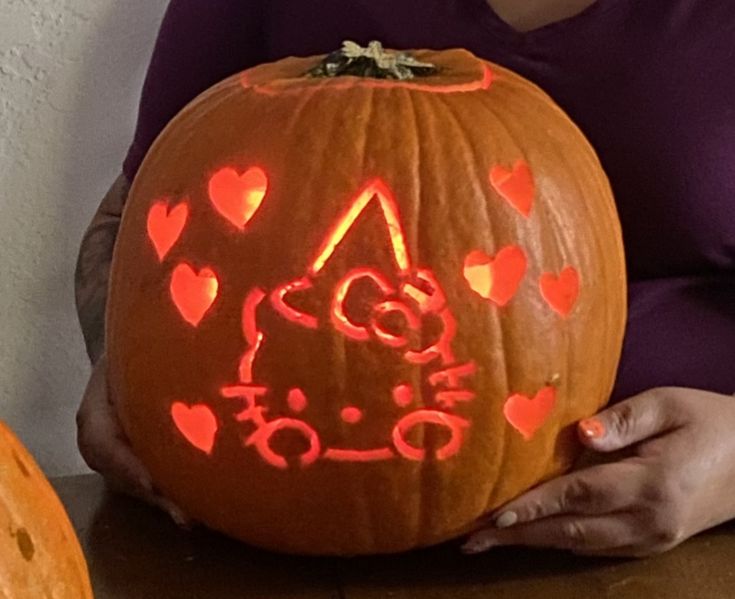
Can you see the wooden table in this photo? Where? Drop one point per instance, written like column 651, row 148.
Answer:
column 136, row 552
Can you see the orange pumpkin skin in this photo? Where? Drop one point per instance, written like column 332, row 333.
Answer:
column 40, row 555
column 282, row 404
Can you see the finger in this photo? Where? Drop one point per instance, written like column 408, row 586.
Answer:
column 593, row 491
column 628, row 422
column 596, row 533
column 126, row 474
column 106, row 449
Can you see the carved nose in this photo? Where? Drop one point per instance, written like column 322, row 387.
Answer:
column 351, row 415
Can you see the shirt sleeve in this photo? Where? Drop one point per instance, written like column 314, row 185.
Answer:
column 200, row 42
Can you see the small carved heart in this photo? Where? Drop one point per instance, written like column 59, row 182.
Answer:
column 165, row 225
column 238, row 197
column 496, row 278
column 528, row 415
column 560, row 292
column 516, row 186
column 193, row 292
column 198, row 425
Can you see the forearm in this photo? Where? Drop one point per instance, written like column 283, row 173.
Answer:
column 93, row 267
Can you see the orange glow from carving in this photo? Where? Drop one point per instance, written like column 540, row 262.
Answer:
column 252, row 335
column 527, row 415
column 249, row 319
column 262, row 436
column 245, row 370
column 238, row 197
column 340, row 320
column 193, row 293
column 482, row 83
column 516, row 186
column 250, row 393
column 165, row 225
column 384, row 314
column 453, row 376
column 278, row 299
column 390, row 339
column 561, row 292
column 453, row 423
column 375, row 189
column 429, row 297
column 448, row 399
column 297, row 400
column 403, row 395
column 498, row 278
column 442, row 348
column 197, row 424
column 351, row 415
column 358, row 455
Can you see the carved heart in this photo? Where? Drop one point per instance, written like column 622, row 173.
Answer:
column 166, row 224
column 238, row 197
column 192, row 292
column 560, row 292
column 526, row 415
column 515, row 186
column 496, row 278
column 197, row 423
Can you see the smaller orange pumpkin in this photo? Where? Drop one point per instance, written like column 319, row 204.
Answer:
column 40, row 555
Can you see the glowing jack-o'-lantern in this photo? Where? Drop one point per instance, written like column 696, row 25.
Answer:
column 356, row 303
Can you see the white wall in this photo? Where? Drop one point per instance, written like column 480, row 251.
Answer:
column 70, row 77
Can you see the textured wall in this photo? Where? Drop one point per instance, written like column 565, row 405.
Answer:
column 70, row 77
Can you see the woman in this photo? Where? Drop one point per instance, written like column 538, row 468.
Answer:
column 650, row 84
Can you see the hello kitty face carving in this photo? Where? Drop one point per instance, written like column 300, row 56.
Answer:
column 396, row 315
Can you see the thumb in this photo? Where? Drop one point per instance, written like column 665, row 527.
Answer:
column 628, row 422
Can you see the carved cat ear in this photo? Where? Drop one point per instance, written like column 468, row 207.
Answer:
column 377, row 191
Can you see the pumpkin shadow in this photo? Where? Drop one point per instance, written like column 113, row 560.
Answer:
column 97, row 131
column 135, row 550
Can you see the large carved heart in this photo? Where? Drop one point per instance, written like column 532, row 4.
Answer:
column 165, row 225
column 528, row 415
column 238, row 197
column 193, row 292
column 496, row 278
column 560, row 292
column 197, row 423
column 516, row 186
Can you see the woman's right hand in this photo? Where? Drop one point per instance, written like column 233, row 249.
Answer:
column 106, row 449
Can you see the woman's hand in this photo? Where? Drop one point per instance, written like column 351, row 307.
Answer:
column 677, row 478
column 106, row 449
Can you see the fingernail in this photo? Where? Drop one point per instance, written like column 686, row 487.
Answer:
column 592, row 428
column 506, row 519
column 176, row 513
column 477, row 545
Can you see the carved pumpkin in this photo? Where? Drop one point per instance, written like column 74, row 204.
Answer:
column 40, row 555
column 351, row 314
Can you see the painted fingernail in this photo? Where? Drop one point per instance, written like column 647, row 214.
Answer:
column 477, row 544
column 592, row 428
column 506, row 519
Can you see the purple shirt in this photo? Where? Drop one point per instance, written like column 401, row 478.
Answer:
column 650, row 83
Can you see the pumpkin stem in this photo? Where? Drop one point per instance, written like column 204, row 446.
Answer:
column 374, row 61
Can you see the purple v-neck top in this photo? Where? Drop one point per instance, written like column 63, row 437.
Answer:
column 650, row 82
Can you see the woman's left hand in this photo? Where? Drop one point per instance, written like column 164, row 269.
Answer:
column 677, row 478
